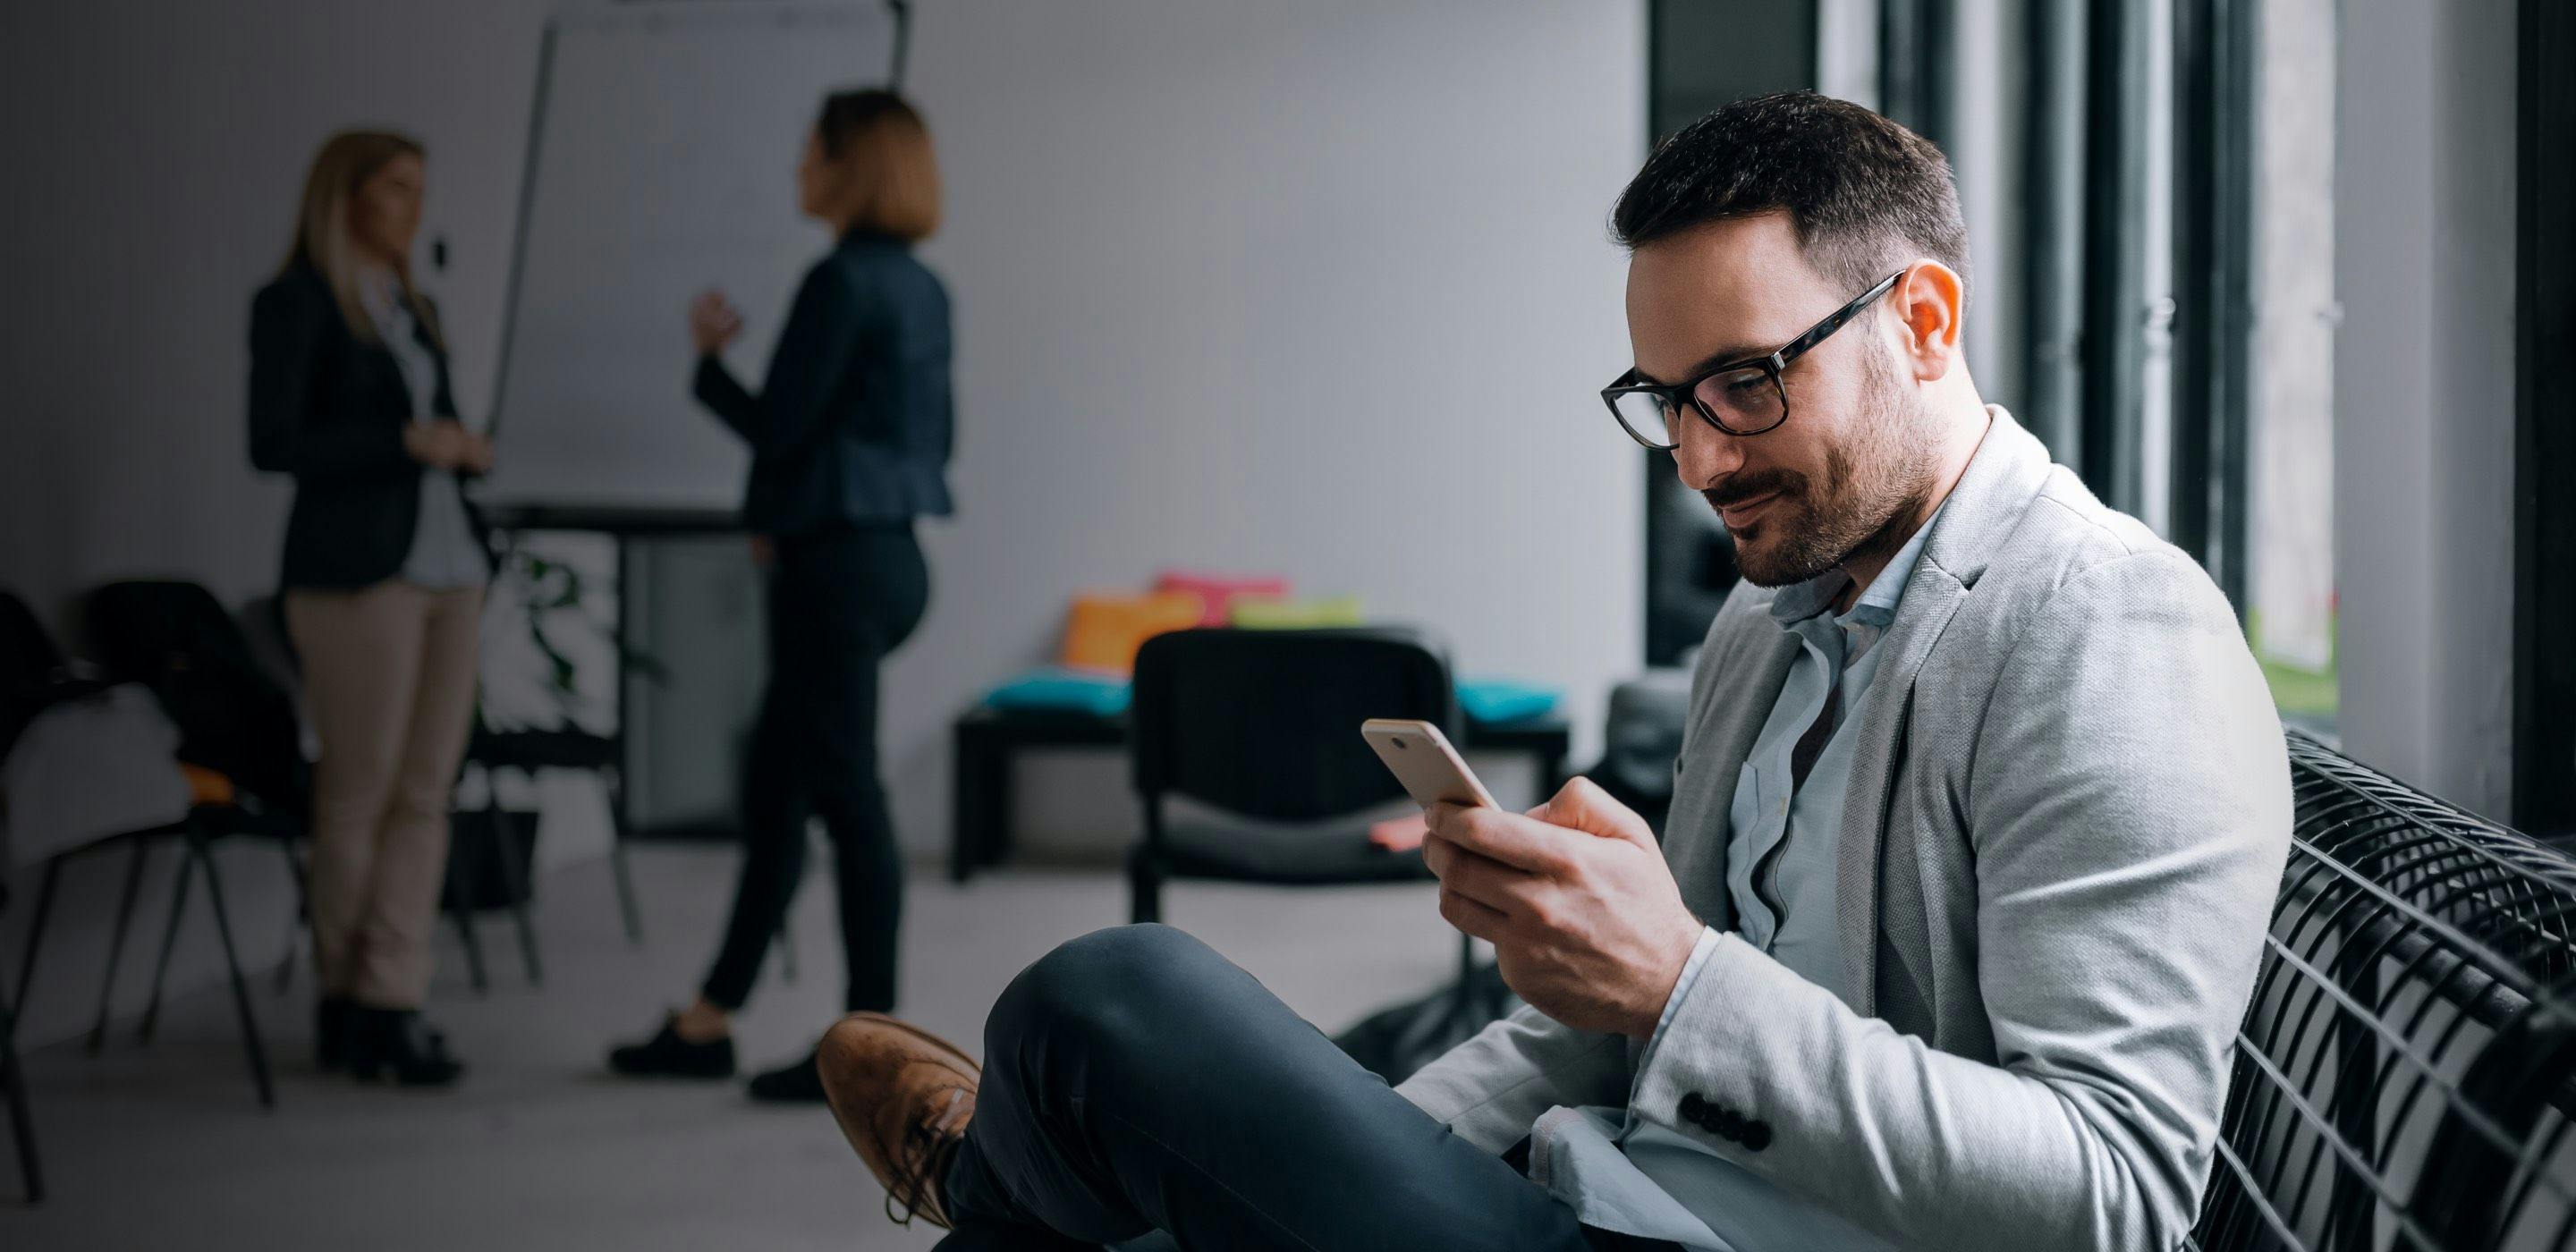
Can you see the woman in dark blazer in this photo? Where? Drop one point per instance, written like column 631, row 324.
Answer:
column 383, row 587
column 850, row 439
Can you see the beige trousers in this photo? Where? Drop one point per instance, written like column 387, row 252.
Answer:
column 389, row 684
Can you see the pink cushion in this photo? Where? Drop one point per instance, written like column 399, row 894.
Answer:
column 1216, row 592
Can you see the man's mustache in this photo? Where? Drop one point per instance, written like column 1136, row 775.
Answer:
column 1740, row 490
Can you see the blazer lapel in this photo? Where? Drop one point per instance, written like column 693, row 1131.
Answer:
column 2006, row 473
column 1931, row 598
column 1695, row 836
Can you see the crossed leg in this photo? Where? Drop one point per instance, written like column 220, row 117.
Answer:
column 1135, row 1081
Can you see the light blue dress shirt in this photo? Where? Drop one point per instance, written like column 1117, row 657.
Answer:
column 444, row 552
column 1622, row 1173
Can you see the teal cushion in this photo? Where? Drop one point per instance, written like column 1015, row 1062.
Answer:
column 1502, row 700
column 1056, row 688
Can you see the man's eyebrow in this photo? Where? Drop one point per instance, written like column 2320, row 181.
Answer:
column 1729, row 355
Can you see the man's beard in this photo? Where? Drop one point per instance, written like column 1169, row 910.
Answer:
column 1879, row 477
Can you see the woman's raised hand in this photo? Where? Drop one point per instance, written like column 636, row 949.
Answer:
column 713, row 322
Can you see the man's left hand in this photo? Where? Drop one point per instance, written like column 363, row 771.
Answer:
column 1586, row 921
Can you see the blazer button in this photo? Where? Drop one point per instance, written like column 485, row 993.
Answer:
column 1694, row 1107
column 1730, row 1123
column 1756, row 1136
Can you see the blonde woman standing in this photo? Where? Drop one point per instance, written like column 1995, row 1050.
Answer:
column 383, row 582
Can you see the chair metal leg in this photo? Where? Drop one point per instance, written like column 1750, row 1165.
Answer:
column 116, row 942
column 36, row 929
column 462, row 913
column 1144, row 888
column 517, row 887
column 296, row 923
column 13, row 1087
column 169, row 940
column 617, row 869
column 241, row 987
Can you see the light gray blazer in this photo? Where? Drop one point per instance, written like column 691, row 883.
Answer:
column 2067, row 819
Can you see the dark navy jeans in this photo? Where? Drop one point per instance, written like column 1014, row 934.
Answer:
column 1136, row 1082
column 839, row 601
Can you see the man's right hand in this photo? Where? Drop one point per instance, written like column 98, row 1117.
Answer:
column 1587, row 923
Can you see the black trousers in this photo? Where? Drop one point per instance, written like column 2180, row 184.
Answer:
column 839, row 601
column 1136, row 1082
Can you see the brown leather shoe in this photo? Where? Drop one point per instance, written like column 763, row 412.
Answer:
column 903, row 1097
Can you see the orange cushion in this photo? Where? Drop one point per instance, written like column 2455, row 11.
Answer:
column 205, row 786
column 1102, row 632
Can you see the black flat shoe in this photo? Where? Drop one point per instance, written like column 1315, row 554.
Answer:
column 332, row 1021
column 667, row 1055
column 797, row 1082
column 398, row 1043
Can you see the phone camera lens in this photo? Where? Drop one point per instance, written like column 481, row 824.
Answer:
column 1399, row 744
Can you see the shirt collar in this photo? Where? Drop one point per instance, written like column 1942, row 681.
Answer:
column 1877, row 603
column 381, row 296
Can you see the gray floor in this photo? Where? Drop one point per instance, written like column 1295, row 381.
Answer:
column 164, row 1147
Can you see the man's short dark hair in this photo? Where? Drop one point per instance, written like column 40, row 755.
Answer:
column 1865, row 195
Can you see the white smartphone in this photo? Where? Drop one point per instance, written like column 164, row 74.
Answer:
column 1432, row 772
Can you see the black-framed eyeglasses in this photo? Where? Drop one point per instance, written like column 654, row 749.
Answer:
column 1745, row 397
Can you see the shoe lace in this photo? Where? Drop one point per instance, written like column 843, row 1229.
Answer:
column 929, row 1146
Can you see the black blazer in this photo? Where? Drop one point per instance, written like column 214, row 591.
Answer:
column 854, row 423
column 330, row 409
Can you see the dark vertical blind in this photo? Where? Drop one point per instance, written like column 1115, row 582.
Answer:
column 2544, row 712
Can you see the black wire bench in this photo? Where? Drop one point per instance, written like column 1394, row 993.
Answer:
column 2406, row 1074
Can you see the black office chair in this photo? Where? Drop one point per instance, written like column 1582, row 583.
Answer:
column 233, row 720
column 1265, row 726
column 529, row 751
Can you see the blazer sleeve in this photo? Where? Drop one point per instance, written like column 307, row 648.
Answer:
column 814, row 350
column 288, row 325
column 1489, row 1089
column 2127, row 799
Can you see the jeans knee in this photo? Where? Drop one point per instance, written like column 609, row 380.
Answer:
column 1107, row 985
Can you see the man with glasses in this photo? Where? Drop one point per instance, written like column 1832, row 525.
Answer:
column 1973, row 843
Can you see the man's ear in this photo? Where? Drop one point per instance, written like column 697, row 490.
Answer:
column 1928, row 304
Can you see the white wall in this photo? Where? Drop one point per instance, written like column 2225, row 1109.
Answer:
column 1318, row 288
column 2424, row 403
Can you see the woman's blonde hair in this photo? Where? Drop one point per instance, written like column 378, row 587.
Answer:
column 880, row 141
column 322, row 243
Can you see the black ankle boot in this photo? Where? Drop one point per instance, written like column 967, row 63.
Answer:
column 333, row 1017
column 400, row 1043
column 667, row 1055
column 797, row 1082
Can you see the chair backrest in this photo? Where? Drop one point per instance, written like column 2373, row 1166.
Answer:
column 176, row 639
column 2406, row 1075
column 1266, row 723
column 28, row 657
column 30, row 666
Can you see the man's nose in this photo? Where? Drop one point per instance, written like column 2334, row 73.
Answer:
column 1705, row 454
